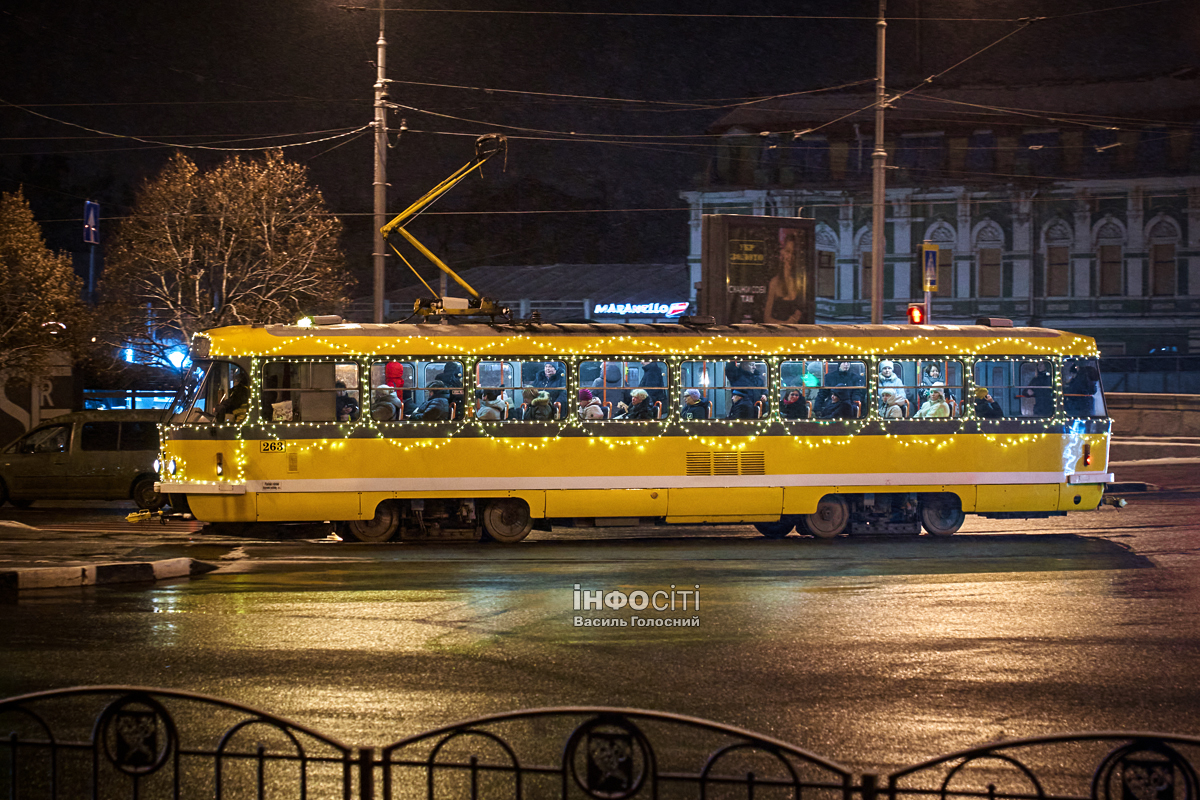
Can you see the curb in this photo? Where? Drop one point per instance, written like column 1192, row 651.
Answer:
column 93, row 574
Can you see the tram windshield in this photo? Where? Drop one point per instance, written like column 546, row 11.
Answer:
column 213, row 391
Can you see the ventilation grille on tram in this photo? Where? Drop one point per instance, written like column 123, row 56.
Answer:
column 726, row 464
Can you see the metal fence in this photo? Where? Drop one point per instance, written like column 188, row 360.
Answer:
column 122, row 741
column 1151, row 374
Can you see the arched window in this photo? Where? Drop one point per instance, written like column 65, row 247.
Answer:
column 863, row 249
column 1163, row 236
column 989, row 249
column 1109, row 237
column 1057, row 238
column 827, row 248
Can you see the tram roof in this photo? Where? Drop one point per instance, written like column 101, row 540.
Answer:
column 516, row 339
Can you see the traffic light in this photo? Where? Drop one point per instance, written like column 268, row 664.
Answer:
column 916, row 313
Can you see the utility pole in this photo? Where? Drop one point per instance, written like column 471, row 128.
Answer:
column 878, row 165
column 381, row 143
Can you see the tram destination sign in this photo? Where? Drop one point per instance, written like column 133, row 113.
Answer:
column 758, row 269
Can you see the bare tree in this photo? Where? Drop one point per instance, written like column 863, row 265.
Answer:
column 40, row 307
column 249, row 241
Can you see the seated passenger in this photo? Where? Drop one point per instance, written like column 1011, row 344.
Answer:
column 437, row 407
column 385, row 404
column 540, row 409
column 935, row 406
column 639, row 407
column 742, row 407
column 492, row 405
column 889, row 379
column 235, row 401
column 347, row 406
column 986, row 406
column 794, row 405
column 695, row 406
column 589, row 406
column 893, row 405
column 837, row 408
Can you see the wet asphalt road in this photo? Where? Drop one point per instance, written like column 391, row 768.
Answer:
column 877, row 652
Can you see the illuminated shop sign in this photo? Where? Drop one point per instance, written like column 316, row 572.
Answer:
column 654, row 309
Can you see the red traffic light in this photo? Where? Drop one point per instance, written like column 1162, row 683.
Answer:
column 916, row 314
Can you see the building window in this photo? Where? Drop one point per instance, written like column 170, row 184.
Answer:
column 945, row 272
column 826, row 275
column 1152, row 150
column 1043, row 152
column 922, row 152
column 1110, row 270
column 865, row 287
column 981, row 153
column 1162, row 270
column 1058, row 271
column 991, row 272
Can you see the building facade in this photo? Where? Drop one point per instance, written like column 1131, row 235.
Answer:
column 1073, row 206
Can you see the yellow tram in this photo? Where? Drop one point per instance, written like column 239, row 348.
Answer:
column 442, row 430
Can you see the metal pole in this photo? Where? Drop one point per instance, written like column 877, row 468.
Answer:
column 878, row 164
column 380, row 165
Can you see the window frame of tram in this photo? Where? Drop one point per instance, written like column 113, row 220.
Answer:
column 307, row 390
column 1013, row 388
column 397, row 404
column 631, row 372
column 913, row 374
column 711, row 377
column 198, row 395
column 818, row 386
column 513, row 389
column 1072, row 401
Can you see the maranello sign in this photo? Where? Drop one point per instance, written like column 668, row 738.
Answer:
column 656, row 309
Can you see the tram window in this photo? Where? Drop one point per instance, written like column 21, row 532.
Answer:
column 613, row 383
column 1020, row 388
column 846, row 379
column 1082, row 395
column 736, row 388
column 214, row 391
column 392, row 383
column 308, row 391
column 805, row 376
column 521, row 383
column 914, row 382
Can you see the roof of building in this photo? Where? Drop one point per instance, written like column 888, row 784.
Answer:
column 1145, row 102
column 598, row 283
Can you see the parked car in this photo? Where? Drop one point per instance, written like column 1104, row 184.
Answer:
column 87, row 455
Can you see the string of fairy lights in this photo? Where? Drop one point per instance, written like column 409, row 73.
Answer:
column 321, row 346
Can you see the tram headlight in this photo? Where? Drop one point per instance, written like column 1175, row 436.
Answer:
column 172, row 466
column 220, row 465
column 157, row 465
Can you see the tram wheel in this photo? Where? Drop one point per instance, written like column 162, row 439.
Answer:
column 507, row 520
column 775, row 530
column 831, row 517
column 942, row 514
column 380, row 528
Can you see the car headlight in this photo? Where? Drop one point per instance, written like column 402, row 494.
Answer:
column 172, row 466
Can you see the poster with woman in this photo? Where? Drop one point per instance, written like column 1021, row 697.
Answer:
column 758, row 269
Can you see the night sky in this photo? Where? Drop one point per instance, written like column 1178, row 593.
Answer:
column 246, row 73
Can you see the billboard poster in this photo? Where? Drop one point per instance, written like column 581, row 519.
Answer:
column 758, row 269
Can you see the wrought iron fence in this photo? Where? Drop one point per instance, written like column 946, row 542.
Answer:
column 122, row 741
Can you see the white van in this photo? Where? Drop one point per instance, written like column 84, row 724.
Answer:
column 87, row 455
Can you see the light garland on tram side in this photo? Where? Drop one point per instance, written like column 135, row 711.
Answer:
column 737, row 347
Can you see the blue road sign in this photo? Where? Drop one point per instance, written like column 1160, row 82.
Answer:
column 91, row 222
column 929, row 258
